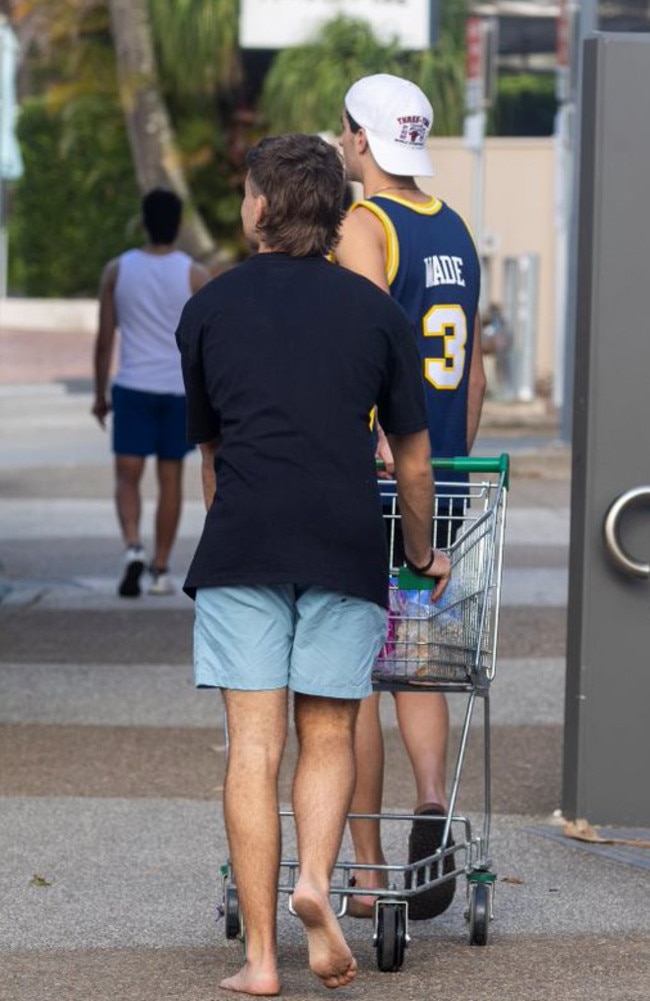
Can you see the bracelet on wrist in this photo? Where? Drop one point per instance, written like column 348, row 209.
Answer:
column 421, row 570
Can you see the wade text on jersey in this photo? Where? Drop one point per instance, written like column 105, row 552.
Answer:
column 443, row 269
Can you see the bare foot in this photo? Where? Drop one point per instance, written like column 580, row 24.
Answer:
column 329, row 955
column 262, row 982
column 360, row 905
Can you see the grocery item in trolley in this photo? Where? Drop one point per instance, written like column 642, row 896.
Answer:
column 427, row 641
column 448, row 640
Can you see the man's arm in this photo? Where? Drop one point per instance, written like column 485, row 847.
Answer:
column 199, row 276
column 415, row 492
column 208, row 475
column 476, row 386
column 385, row 455
column 362, row 247
column 105, row 340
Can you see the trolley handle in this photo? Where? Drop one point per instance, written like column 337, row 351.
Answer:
column 473, row 464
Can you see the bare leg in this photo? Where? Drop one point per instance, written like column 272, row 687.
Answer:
column 322, row 789
column 369, row 756
column 128, row 474
column 257, row 727
column 423, row 719
column 168, row 511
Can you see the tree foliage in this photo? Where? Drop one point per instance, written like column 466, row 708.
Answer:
column 197, row 45
column 74, row 138
column 304, row 89
column 71, row 63
column 77, row 204
column 526, row 105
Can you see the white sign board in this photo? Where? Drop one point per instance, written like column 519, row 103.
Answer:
column 11, row 161
column 278, row 24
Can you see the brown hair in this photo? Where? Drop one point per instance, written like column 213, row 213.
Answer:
column 303, row 181
column 354, row 125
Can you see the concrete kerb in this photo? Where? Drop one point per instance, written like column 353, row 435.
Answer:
column 68, row 315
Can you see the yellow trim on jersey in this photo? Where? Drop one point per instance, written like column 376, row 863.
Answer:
column 392, row 243
column 424, row 208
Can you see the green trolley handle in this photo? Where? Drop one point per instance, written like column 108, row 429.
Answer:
column 477, row 464
column 467, row 464
column 473, row 464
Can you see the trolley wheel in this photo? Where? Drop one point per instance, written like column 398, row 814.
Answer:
column 390, row 938
column 479, row 912
column 232, row 916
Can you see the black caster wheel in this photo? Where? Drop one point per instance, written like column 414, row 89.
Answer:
column 390, row 939
column 480, row 895
column 231, row 907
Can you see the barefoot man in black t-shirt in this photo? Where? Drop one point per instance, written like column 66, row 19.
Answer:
column 284, row 359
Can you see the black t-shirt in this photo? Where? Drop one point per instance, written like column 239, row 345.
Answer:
column 284, row 358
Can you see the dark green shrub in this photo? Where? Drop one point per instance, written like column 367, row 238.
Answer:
column 77, row 203
column 525, row 106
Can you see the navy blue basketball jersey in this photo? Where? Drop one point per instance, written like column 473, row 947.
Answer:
column 433, row 271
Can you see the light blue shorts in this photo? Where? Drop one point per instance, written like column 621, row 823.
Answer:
column 311, row 640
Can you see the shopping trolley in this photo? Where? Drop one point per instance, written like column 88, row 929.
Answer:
column 449, row 647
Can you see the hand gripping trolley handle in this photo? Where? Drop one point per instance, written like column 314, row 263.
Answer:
column 449, row 647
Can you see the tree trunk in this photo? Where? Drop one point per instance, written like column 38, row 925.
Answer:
column 151, row 135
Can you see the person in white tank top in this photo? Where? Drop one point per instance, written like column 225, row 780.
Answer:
column 142, row 294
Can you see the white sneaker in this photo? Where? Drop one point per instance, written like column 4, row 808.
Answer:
column 134, row 563
column 161, row 582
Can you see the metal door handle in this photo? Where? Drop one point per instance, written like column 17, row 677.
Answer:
column 618, row 556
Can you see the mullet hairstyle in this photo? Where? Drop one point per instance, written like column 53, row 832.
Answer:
column 303, row 181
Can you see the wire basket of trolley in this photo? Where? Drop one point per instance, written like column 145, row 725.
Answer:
column 449, row 647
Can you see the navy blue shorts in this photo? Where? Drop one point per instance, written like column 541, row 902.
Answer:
column 149, row 424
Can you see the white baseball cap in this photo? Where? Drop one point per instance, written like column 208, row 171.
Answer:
column 397, row 118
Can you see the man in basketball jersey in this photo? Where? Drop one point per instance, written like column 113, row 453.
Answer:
column 143, row 293
column 419, row 250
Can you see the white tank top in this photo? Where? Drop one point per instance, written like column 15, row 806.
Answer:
column 150, row 293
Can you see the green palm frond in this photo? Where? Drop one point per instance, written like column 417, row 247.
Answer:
column 197, row 44
column 453, row 18
column 305, row 86
column 304, row 89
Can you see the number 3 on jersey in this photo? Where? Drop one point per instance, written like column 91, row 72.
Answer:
column 448, row 322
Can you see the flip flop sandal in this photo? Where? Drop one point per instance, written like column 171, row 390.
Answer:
column 424, row 840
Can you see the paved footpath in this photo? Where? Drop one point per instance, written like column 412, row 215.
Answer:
column 111, row 834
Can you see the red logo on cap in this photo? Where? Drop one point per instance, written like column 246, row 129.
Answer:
column 412, row 130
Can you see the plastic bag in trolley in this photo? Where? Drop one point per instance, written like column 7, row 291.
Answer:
column 429, row 642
